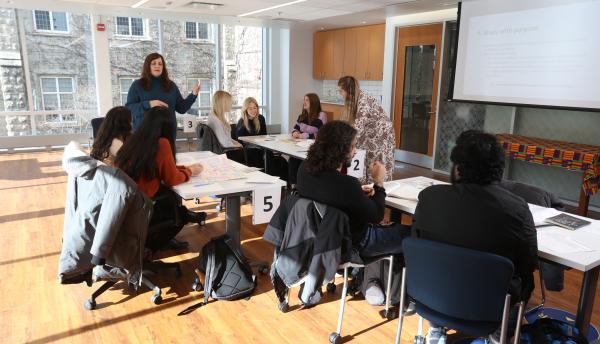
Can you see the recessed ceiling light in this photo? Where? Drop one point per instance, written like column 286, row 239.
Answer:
column 322, row 28
column 139, row 3
column 363, row 22
column 203, row 5
column 271, row 8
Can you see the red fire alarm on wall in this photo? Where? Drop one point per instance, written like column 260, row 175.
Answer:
column 100, row 27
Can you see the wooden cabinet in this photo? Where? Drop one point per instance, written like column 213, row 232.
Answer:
column 354, row 51
column 323, row 55
column 376, row 51
column 333, row 111
column 350, row 51
column 338, row 55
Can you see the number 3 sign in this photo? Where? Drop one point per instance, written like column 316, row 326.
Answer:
column 189, row 124
column 357, row 167
column 265, row 202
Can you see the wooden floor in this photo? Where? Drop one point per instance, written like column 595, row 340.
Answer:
column 35, row 308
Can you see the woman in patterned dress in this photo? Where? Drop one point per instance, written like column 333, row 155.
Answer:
column 375, row 130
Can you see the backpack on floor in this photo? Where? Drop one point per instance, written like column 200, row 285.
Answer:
column 551, row 331
column 228, row 275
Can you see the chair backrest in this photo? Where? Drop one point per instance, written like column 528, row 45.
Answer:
column 207, row 140
column 273, row 129
column 533, row 194
column 456, row 282
column 233, row 131
column 96, row 123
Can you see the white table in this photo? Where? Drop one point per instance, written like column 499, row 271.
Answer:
column 231, row 190
column 587, row 262
column 280, row 143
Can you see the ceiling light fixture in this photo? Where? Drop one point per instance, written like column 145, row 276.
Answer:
column 139, row 3
column 271, row 8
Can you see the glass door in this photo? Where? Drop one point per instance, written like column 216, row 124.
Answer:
column 415, row 96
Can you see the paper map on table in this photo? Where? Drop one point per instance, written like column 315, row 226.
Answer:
column 217, row 169
column 409, row 189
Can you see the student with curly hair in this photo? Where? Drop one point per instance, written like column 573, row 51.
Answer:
column 320, row 179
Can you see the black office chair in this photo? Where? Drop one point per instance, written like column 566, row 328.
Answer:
column 96, row 123
column 458, row 288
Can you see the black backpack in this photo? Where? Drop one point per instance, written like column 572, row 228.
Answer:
column 228, row 275
column 549, row 331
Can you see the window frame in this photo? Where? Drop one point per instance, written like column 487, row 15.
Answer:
column 196, row 104
column 121, row 91
column 209, row 31
column 129, row 22
column 51, row 18
column 58, row 93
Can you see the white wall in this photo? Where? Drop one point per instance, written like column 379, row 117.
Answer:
column 279, row 80
column 291, row 57
column 301, row 66
column 389, row 62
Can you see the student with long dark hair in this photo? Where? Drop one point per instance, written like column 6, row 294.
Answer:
column 154, row 88
column 114, row 131
column 149, row 159
column 310, row 119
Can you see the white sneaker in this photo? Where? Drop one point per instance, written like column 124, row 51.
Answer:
column 374, row 295
column 436, row 335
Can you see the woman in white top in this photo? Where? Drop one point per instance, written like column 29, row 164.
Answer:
column 221, row 103
column 115, row 129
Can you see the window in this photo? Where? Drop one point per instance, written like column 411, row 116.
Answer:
column 204, row 96
column 127, row 26
column 242, row 53
column 197, row 31
column 57, row 93
column 125, row 84
column 51, row 21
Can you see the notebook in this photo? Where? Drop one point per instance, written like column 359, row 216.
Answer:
column 567, row 221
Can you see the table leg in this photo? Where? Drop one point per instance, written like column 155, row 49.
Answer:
column 584, row 201
column 586, row 300
column 232, row 218
column 265, row 159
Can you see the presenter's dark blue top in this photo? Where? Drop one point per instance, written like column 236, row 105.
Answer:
column 138, row 100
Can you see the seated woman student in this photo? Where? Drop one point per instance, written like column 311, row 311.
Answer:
column 307, row 126
column 149, row 159
column 221, row 103
column 251, row 124
column 311, row 118
column 114, row 131
column 320, row 179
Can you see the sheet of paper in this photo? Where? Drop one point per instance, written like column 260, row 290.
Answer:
column 541, row 213
column 548, row 240
column 305, row 143
column 217, row 169
column 405, row 191
column 260, row 178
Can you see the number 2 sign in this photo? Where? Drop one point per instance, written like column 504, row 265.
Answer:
column 265, row 202
column 357, row 166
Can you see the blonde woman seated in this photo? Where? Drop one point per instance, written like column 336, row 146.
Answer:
column 221, row 104
column 251, row 124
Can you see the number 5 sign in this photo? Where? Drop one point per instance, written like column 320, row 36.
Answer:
column 357, row 167
column 189, row 124
column 265, row 202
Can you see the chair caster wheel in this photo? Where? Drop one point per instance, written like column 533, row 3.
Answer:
column 156, row 299
column 331, row 288
column 284, row 307
column 202, row 223
column 197, row 285
column 335, row 338
column 263, row 270
column 89, row 304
